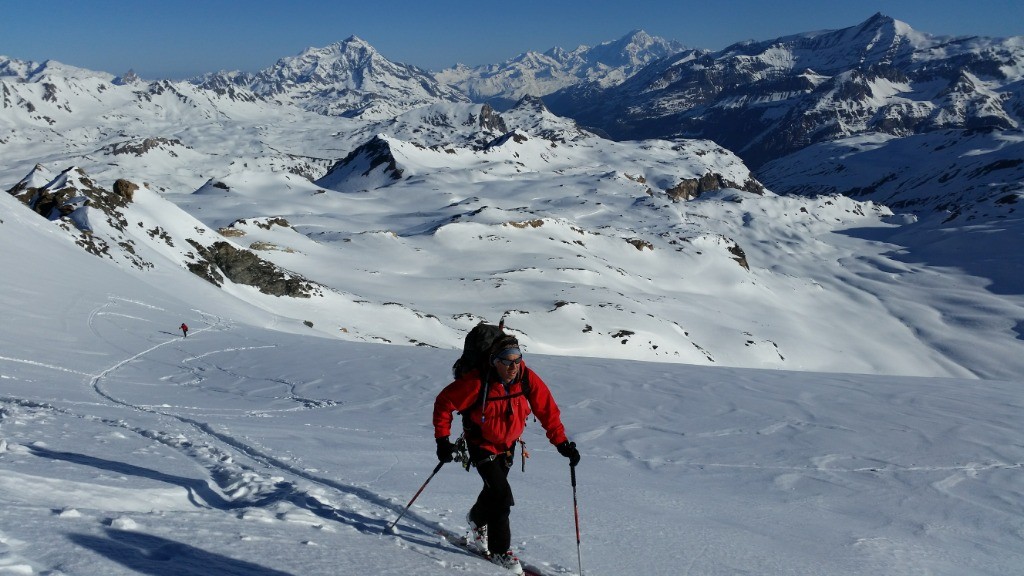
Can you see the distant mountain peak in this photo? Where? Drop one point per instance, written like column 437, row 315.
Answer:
column 536, row 74
column 353, row 39
column 324, row 64
column 348, row 46
column 348, row 78
column 129, row 78
column 877, row 19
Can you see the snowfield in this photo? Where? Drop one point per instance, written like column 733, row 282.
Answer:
column 242, row 449
column 759, row 384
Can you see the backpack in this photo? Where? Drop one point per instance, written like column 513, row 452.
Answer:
column 477, row 347
column 476, row 355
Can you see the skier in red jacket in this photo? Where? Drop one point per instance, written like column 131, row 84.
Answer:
column 184, row 330
column 494, row 407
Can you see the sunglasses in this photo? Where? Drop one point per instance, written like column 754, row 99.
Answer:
column 507, row 362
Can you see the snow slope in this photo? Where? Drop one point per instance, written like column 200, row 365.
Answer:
column 664, row 250
column 828, row 386
column 127, row 449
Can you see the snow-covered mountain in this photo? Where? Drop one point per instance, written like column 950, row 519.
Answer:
column 538, row 74
column 878, row 111
column 348, row 78
column 656, row 249
column 127, row 450
column 768, row 99
column 282, row 435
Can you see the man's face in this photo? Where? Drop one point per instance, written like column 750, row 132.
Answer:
column 507, row 365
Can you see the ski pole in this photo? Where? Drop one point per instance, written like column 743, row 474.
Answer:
column 417, row 495
column 576, row 515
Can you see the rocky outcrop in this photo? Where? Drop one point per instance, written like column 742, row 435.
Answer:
column 76, row 203
column 222, row 260
column 70, row 192
column 72, row 199
column 491, row 120
column 691, row 188
column 125, row 189
column 141, row 147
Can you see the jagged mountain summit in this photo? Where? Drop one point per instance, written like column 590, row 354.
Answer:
column 539, row 74
column 348, row 78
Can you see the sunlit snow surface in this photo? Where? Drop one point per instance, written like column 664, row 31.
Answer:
column 848, row 404
column 127, row 449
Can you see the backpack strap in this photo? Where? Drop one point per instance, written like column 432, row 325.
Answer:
column 485, row 388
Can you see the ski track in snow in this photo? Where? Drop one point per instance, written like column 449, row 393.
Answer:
column 245, row 486
column 42, row 365
column 232, row 486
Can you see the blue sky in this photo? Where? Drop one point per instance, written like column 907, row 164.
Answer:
column 183, row 38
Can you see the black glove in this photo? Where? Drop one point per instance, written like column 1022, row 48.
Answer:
column 568, row 449
column 445, row 449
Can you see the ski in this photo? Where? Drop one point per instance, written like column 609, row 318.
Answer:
column 459, row 541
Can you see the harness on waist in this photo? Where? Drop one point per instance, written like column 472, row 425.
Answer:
column 462, row 454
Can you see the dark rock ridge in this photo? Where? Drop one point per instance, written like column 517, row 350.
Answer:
column 692, row 188
column 363, row 160
column 243, row 267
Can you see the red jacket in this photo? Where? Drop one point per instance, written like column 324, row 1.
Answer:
column 499, row 425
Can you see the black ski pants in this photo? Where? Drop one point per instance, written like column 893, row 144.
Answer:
column 494, row 504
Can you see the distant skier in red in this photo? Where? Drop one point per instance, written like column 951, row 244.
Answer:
column 184, row 330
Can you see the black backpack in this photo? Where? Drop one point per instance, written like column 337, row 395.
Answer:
column 476, row 355
column 476, row 349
